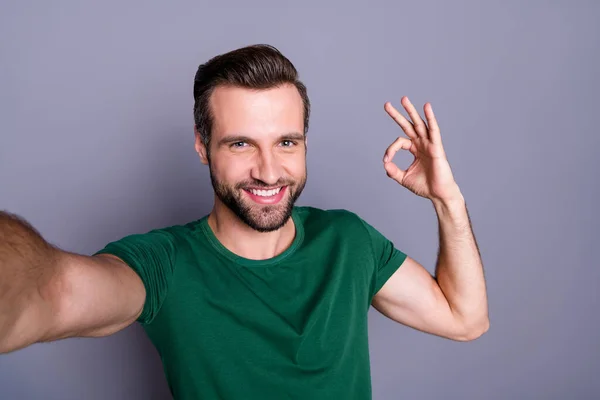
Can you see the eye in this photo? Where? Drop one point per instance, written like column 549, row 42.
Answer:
column 288, row 143
column 238, row 145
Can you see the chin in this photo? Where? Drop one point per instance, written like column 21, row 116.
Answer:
column 266, row 218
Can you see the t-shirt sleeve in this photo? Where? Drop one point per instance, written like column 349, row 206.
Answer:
column 152, row 256
column 387, row 257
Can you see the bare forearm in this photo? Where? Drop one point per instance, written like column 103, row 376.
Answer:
column 27, row 270
column 459, row 269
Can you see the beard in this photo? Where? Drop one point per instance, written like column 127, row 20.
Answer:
column 262, row 218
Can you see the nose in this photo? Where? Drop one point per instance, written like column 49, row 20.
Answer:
column 267, row 168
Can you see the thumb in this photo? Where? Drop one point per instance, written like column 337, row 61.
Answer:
column 392, row 169
column 394, row 172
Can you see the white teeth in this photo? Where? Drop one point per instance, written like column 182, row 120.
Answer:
column 265, row 193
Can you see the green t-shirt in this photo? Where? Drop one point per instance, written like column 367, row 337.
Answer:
column 290, row 327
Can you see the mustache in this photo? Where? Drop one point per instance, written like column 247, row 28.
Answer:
column 261, row 184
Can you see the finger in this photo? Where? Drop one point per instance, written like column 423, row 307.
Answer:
column 434, row 129
column 394, row 172
column 400, row 143
column 417, row 121
column 406, row 126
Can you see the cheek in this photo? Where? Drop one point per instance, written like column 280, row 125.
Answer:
column 297, row 166
column 231, row 169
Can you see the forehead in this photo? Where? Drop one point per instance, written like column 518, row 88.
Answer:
column 252, row 112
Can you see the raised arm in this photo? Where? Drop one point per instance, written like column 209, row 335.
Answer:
column 49, row 294
column 451, row 304
column 454, row 303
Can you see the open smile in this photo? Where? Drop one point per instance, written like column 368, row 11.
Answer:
column 266, row 196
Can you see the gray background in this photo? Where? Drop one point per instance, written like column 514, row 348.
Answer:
column 96, row 143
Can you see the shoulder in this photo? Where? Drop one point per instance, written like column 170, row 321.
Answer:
column 167, row 238
column 178, row 231
column 335, row 218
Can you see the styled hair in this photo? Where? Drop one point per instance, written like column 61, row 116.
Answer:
column 258, row 66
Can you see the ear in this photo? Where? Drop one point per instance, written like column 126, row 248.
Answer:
column 200, row 147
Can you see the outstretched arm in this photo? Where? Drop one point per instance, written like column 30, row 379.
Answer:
column 48, row 294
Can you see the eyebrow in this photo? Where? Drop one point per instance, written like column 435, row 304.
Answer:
column 241, row 138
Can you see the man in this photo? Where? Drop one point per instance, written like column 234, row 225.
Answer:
column 260, row 299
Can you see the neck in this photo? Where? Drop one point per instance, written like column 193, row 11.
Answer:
column 244, row 241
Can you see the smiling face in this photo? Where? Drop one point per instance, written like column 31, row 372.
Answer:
column 257, row 153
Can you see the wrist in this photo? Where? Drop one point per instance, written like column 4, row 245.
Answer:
column 452, row 208
column 452, row 200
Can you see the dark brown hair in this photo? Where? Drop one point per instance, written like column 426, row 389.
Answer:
column 258, row 66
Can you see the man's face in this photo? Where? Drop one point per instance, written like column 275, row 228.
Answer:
column 257, row 153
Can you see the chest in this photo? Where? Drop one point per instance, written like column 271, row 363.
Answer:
column 309, row 312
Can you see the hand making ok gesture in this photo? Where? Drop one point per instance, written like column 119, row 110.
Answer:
column 429, row 175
